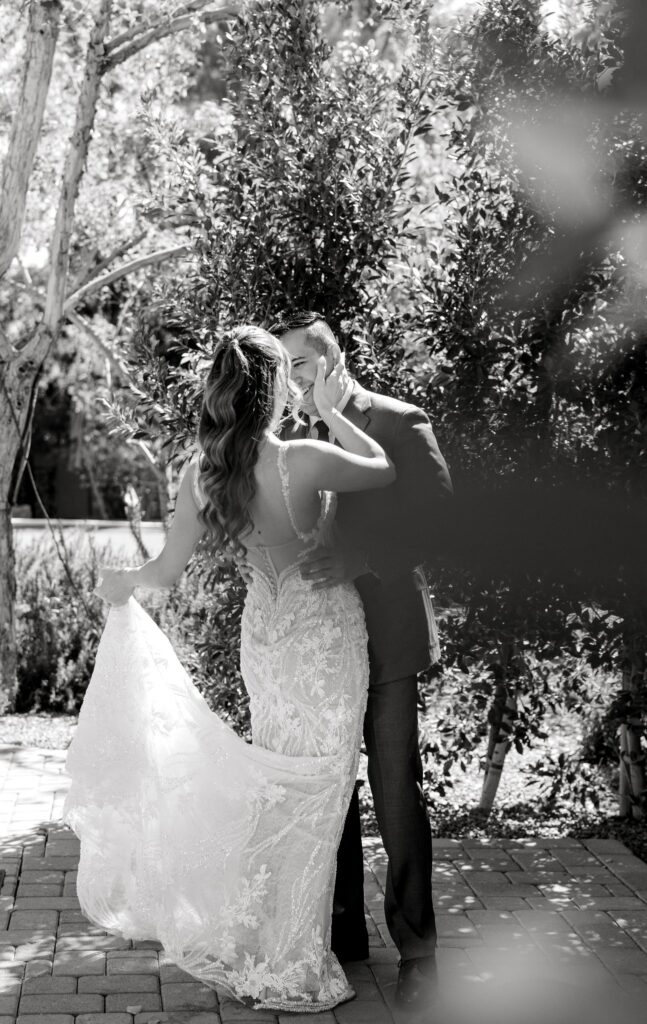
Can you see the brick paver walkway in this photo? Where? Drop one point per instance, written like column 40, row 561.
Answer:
column 521, row 923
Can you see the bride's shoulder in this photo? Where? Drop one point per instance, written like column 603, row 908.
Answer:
column 191, row 480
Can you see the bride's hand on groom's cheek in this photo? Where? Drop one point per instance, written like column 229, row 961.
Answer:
column 114, row 586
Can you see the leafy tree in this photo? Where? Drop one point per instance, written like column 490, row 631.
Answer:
column 52, row 266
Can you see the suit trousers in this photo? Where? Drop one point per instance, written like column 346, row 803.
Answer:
column 395, row 777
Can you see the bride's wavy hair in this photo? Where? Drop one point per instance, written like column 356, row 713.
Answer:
column 249, row 369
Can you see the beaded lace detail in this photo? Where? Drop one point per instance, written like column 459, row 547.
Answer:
column 225, row 851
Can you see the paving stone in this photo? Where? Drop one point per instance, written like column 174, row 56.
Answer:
column 171, row 972
column 538, row 861
column 38, row 968
column 119, row 983
column 104, row 1018
column 611, row 903
column 139, row 965
column 574, row 890
column 626, row 862
column 602, row 846
column 50, row 1003
column 358, row 1013
column 79, row 929
column 11, row 975
column 618, row 888
column 9, row 1003
column 67, row 916
column 489, row 879
column 236, row 1013
column 498, row 902
column 559, row 903
column 627, row 961
column 306, row 1018
column 79, row 962
column 36, row 877
column 92, row 942
column 451, row 958
column 199, row 1017
column 46, row 903
column 543, row 921
column 54, row 863
column 131, row 954
column 188, row 996
column 121, row 1001
column 45, row 1018
column 634, row 924
column 483, row 916
column 32, row 950
column 455, row 925
column 576, row 856
column 32, row 920
column 25, row 889
column 536, row 878
column 522, row 891
column 47, row 983
column 637, row 881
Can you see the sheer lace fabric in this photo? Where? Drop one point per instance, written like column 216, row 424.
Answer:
column 225, row 851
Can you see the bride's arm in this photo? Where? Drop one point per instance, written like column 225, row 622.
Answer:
column 186, row 529
column 360, row 464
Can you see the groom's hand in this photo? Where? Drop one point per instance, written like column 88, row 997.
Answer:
column 327, row 566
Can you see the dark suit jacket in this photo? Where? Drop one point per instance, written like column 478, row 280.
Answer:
column 397, row 528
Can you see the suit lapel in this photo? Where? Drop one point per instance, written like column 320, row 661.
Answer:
column 358, row 409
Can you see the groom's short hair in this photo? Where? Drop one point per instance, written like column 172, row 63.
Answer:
column 319, row 335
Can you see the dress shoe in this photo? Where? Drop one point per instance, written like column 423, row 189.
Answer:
column 417, row 987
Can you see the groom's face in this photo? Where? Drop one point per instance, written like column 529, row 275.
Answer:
column 303, row 371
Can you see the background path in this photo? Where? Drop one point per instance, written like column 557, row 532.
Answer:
column 529, row 930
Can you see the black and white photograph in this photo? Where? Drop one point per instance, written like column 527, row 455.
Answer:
column 323, row 506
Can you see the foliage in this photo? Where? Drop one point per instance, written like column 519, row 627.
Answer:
column 294, row 197
column 60, row 621
column 378, row 184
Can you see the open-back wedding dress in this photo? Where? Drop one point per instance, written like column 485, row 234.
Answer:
column 224, row 851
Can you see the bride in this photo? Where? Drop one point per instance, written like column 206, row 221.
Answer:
column 221, row 850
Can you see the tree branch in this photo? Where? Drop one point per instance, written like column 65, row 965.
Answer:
column 114, row 360
column 114, row 275
column 117, row 253
column 74, row 167
column 144, row 25
column 130, row 43
column 42, row 33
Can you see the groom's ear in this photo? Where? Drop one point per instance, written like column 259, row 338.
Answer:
column 333, row 355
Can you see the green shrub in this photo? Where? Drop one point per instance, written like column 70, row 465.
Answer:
column 60, row 621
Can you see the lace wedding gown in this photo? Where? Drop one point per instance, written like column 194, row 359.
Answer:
column 224, row 851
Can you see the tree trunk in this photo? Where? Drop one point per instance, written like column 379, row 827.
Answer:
column 502, row 716
column 42, row 33
column 632, row 754
column 8, row 681
column 17, row 383
column 624, row 798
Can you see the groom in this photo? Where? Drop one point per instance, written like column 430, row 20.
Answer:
column 385, row 536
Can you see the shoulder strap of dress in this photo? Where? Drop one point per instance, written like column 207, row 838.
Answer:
column 282, row 463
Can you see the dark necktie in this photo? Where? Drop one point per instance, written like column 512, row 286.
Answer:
column 320, row 431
